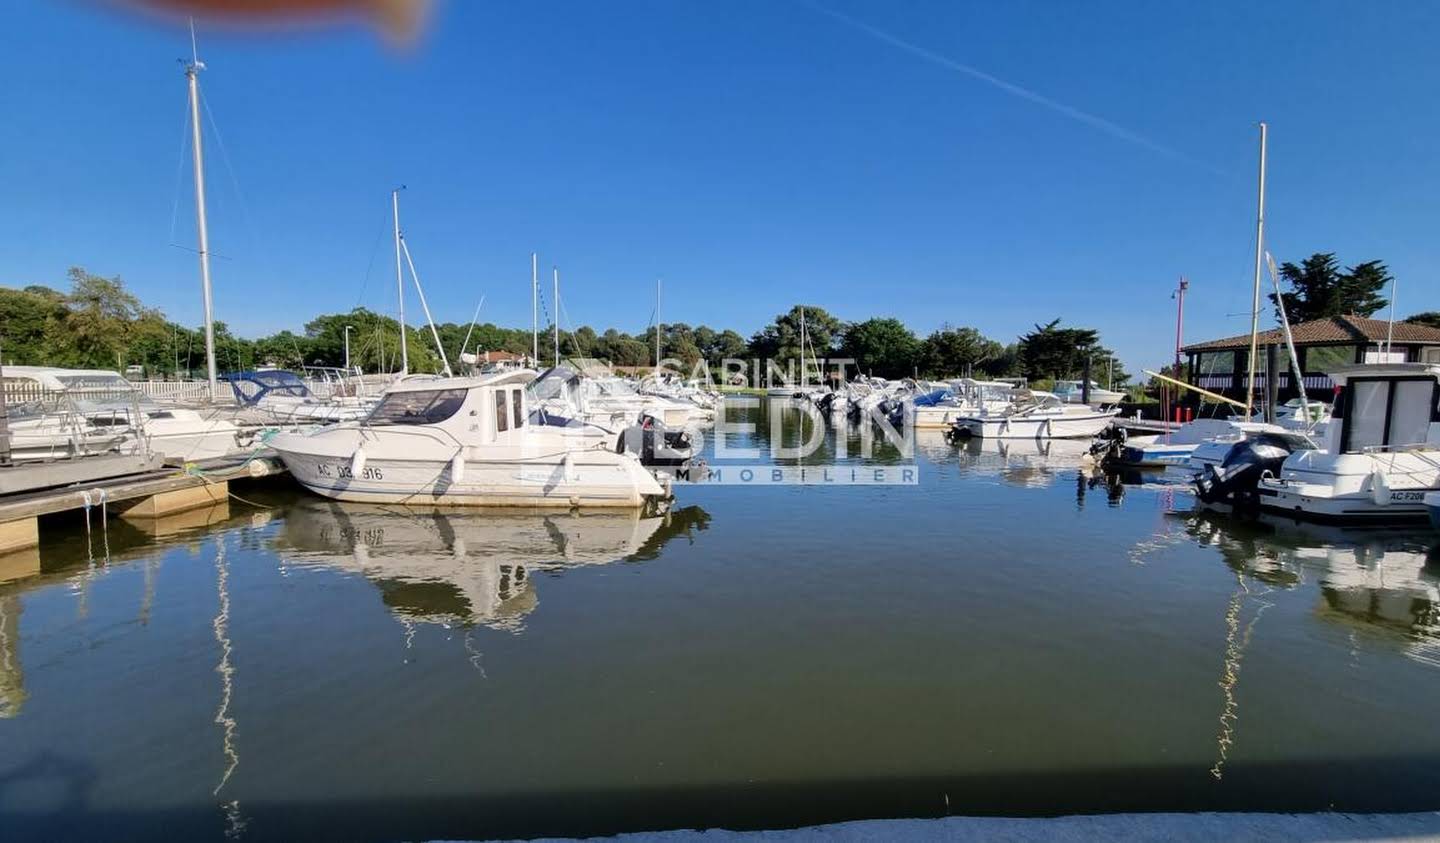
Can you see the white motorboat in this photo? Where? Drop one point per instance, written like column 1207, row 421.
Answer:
column 464, row 441
column 962, row 397
column 1034, row 415
column 1071, row 392
column 1381, row 452
column 103, row 411
column 608, row 401
column 669, row 385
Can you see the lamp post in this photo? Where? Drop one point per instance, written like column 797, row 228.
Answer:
column 348, row 370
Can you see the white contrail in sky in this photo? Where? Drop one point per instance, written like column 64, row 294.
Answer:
column 1073, row 113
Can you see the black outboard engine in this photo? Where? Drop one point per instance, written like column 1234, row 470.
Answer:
column 655, row 444
column 1235, row 480
column 1109, row 444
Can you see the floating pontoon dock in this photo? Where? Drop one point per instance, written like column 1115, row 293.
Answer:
column 142, row 496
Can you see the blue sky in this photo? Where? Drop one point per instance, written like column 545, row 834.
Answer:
column 987, row 164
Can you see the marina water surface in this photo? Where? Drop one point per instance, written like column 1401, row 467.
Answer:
column 1010, row 636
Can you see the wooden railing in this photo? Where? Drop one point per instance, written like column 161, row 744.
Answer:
column 1223, row 382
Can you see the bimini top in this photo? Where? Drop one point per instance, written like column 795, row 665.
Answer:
column 1341, row 374
column 518, row 376
column 251, row 387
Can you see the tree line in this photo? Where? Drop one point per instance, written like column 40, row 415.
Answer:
column 99, row 323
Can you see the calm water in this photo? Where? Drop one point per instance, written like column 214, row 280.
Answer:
column 1009, row 637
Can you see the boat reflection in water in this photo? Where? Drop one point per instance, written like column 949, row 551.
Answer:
column 468, row 568
column 1032, row 463
column 1386, row 582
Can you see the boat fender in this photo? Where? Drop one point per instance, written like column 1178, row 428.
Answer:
column 1379, row 488
column 357, row 462
column 457, row 469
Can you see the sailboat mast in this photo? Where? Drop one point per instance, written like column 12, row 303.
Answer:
column 556, row 270
column 399, row 279
column 657, row 324
column 804, row 376
column 1255, row 299
column 192, row 75
column 534, row 309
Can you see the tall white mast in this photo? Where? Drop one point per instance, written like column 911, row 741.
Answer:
column 192, row 74
column 534, row 309
column 557, row 314
column 804, row 376
column 400, row 279
column 657, row 324
column 1255, row 300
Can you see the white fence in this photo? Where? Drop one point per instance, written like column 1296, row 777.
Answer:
column 180, row 391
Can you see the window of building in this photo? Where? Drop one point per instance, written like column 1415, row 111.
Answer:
column 1216, row 363
column 1320, row 359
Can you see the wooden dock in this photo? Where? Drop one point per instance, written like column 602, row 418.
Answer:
column 1134, row 425
column 140, row 497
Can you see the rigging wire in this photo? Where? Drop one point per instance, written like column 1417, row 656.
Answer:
column 369, row 266
column 180, row 171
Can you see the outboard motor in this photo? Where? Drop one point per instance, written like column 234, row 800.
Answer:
column 1109, row 445
column 1235, row 480
column 655, row 444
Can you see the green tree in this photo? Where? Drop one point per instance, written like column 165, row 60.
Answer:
column 1319, row 288
column 1051, row 351
column 881, row 346
column 1430, row 318
column 951, row 351
column 31, row 321
column 724, row 345
column 780, row 340
column 101, row 315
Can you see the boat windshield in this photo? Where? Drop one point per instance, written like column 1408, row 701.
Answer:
column 612, row 387
column 101, row 383
column 428, row 406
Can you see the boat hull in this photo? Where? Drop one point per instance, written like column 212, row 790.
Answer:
column 1067, row 426
column 612, row 481
column 1376, row 488
column 1158, row 455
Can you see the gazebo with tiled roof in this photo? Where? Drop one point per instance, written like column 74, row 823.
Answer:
column 1321, row 344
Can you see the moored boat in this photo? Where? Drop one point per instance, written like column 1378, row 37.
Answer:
column 1034, row 415
column 466, row 442
column 1380, row 456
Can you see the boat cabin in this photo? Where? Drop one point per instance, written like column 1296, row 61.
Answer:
column 479, row 410
column 1385, row 407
